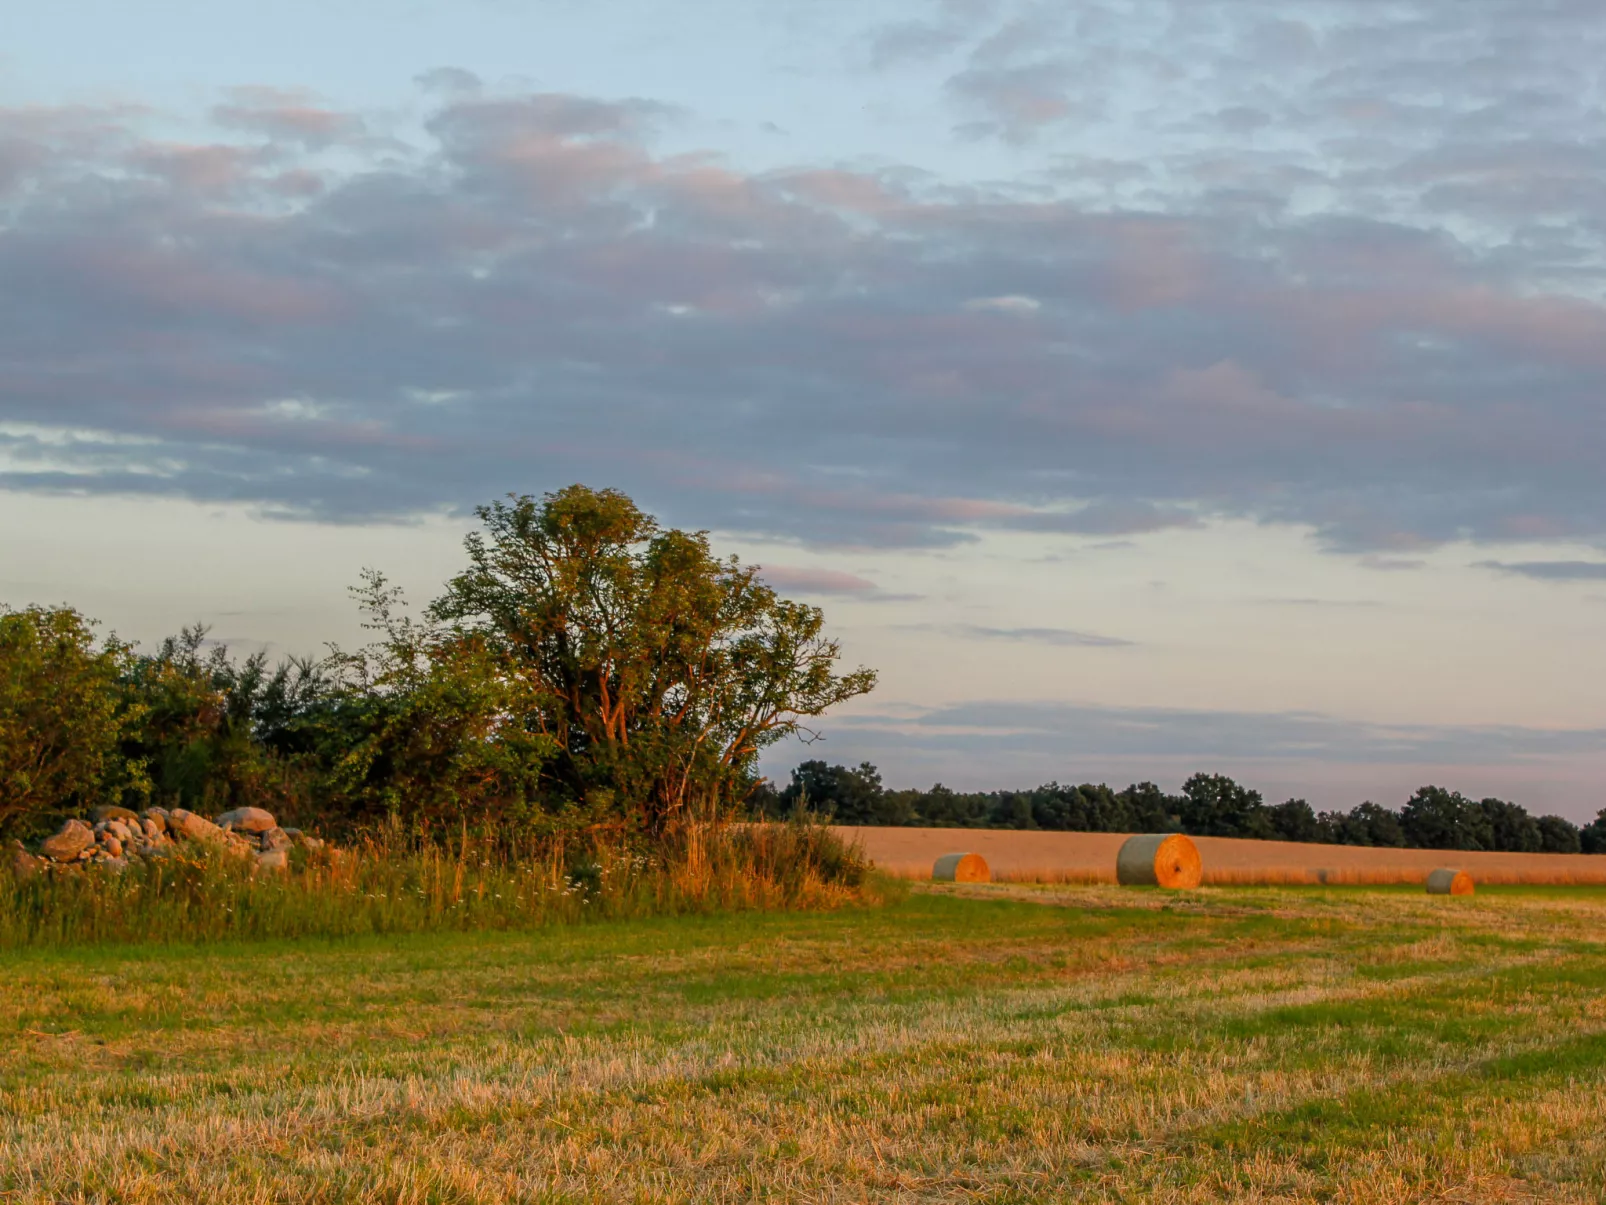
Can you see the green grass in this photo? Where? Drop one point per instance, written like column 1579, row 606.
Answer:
column 995, row 1044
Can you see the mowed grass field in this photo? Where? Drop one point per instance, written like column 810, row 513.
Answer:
column 999, row 1043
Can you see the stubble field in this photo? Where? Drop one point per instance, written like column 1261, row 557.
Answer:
column 1001, row 1043
column 1036, row 856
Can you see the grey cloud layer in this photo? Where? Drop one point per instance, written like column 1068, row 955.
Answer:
column 1552, row 571
column 1331, row 301
column 1091, row 732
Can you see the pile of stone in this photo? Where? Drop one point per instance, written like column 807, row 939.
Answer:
column 114, row 837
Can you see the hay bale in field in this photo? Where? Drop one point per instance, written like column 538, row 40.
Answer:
column 1159, row 860
column 961, row 868
column 1448, row 881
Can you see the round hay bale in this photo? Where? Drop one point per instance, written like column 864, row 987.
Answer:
column 961, row 868
column 1159, row 860
column 1448, row 881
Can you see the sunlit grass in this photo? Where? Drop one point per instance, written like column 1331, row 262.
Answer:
column 997, row 1044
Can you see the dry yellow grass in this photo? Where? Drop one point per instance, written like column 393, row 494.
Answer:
column 1044, row 857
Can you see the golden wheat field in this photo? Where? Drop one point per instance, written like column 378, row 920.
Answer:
column 1048, row 857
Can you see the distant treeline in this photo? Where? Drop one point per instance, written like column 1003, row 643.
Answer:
column 1209, row 805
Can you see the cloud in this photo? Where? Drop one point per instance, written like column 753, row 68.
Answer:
column 287, row 117
column 816, row 581
column 1088, row 731
column 1391, row 564
column 1054, row 636
column 1011, row 304
column 1014, row 103
column 1551, row 571
column 1373, row 317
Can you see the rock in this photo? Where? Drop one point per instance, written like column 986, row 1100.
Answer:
column 71, row 841
column 156, row 816
column 273, row 859
column 120, row 830
column 112, row 813
column 247, row 820
column 113, row 846
column 23, row 864
column 275, row 838
column 151, row 828
column 184, row 823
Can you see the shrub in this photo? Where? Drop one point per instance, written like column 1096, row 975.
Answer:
column 63, row 715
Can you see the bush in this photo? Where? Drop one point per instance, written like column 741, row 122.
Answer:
column 64, row 713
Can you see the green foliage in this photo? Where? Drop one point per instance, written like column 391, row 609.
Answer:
column 1366, row 824
column 1510, row 827
column 215, row 734
column 1434, row 818
column 1558, row 836
column 428, row 727
column 1592, row 839
column 847, row 796
column 1295, row 821
column 658, row 670
column 64, row 714
column 1213, row 805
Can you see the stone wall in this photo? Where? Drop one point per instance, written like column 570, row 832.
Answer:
column 113, row 838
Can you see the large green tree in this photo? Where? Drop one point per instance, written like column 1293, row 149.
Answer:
column 659, row 670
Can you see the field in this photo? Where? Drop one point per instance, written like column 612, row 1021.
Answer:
column 1050, row 857
column 995, row 1043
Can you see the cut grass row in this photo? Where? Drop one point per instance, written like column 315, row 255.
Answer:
column 998, row 1044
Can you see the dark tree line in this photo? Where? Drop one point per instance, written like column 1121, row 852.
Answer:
column 1209, row 805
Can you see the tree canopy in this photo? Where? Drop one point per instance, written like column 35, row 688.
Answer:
column 658, row 670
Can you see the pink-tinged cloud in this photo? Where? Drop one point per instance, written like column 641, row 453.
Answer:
column 803, row 580
column 842, row 357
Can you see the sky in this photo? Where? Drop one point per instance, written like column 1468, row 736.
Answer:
column 1141, row 387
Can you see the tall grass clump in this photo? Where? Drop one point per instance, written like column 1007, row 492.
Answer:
column 389, row 883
